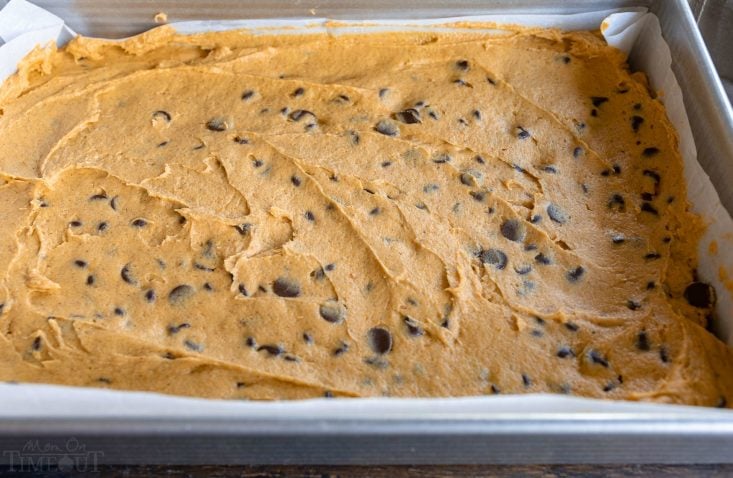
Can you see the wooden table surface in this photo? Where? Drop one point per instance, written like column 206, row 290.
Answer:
column 420, row 471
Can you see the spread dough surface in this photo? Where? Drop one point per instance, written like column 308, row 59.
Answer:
column 394, row 214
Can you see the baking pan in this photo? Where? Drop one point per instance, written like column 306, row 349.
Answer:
column 425, row 436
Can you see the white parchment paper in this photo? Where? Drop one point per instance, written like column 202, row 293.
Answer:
column 23, row 26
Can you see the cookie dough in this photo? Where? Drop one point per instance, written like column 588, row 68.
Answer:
column 396, row 214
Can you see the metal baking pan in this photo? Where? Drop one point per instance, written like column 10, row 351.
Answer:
column 411, row 438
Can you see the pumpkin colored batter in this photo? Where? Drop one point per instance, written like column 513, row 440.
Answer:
column 395, row 214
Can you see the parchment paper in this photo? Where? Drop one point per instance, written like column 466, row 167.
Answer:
column 23, row 26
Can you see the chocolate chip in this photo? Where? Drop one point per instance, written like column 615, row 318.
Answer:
column 150, row 295
column 257, row 163
column 479, row 159
column 332, row 311
column 651, row 256
column 522, row 133
column 247, row 94
column 413, row 327
column 98, row 197
column 565, row 352
column 557, row 214
column 408, row 116
column 387, row 128
column 383, row 92
column 512, row 230
column 633, row 305
column 272, row 350
column 180, row 293
column 243, row 229
column 597, row 358
column 217, row 124
column 536, row 219
column 126, row 275
column 297, row 92
column 81, row 264
column 598, row 100
column 75, row 224
column 102, row 226
column 441, row 158
column 571, row 326
column 542, row 259
column 285, row 287
column 476, row 114
column 250, row 342
column 341, row 349
column 174, row 329
column 494, row 257
column 139, row 222
column 549, row 168
column 642, row 341
column 617, row 203
column 647, row 207
column 577, row 152
column 310, row 216
column 575, row 274
column 523, row 269
column 477, row 195
column 163, row 115
column 663, row 354
column 462, row 65
column 307, row 338
column 636, row 122
column 380, row 340
column 526, row 380
column 565, row 59
column 298, row 115
column 113, row 202
column 700, row 295
column 536, row 333
column 649, row 152
column 90, row 280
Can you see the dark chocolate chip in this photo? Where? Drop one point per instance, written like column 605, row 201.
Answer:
column 523, row 269
column 650, row 285
column 90, row 280
column 565, row 352
column 102, row 226
column 565, row 59
column 332, row 311
column 242, row 290
column 174, row 329
column 536, row 219
column 126, row 275
column 297, row 92
column 380, row 340
column 408, row 116
column 575, row 274
column 617, row 203
column 81, row 264
column 663, row 354
column 513, row 230
column 272, row 350
column 522, row 133
column 479, row 159
column 649, row 152
column 636, row 122
column 217, row 124
column 250, row 342
column 387, row 128
column 542, row 259
column 150, row 295
column 113, row 202
column 180, row 293
column 164, row 115
column 298, row 115
column 98, row 197
column 571, row 326
column 577, row 152
column 257, row 163
column 494, row 257
column 247, row 94
column 383, row 92
column 243, row 229
column 462, row 65
column 75, row 224
column 557, row 214
column 526, row 380
column 36, row 343
column 413, row 327
column 341, row 349
column 139, row 222
column 598, row 100
column 310, row 216
column 651, row 256
column 477, row 195
column 597, row 358
column 307, row 338
column 633, row 305
column 647, row 207
column 700, row 295
column 441, row 158
column 549, row 168
column 476, row 114
column 285, row 287
column 616, row 169
column 642, row 341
